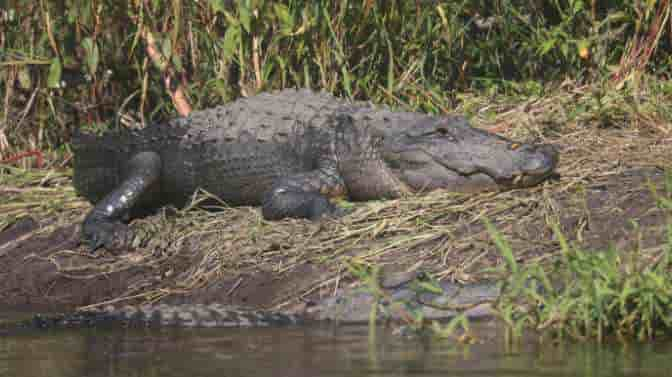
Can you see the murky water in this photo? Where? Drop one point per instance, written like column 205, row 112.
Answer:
column 314, row 351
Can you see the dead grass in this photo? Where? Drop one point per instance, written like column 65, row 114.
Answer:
column 440, row 232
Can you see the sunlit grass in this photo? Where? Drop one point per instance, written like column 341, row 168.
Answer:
column 587, row 294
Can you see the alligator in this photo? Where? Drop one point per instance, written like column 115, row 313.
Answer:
column 291, row 152
column 404, row 294
column 398, row 295
column 164, row 315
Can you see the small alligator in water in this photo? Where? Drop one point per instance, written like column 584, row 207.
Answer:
column 164, row 315
column 352, row 305
column 290, row 152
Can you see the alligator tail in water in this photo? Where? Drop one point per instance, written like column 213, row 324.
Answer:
column 164, row 315
column 352, row 305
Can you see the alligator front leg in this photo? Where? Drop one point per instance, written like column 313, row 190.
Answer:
column 304, row 195
column 103, row 226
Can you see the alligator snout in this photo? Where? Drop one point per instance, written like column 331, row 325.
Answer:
column 542, row 160
column 537, row 163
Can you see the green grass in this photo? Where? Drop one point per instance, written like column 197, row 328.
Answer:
column 418, row 55
column 549, row 67
column 587, row 295
column 577, row 295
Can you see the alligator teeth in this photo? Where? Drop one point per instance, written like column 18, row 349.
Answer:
column 517, row 179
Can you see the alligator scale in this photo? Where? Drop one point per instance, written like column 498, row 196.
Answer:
column 290, row 152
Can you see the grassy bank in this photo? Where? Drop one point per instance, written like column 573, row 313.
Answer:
column 588, row 77
column 68, row 64
column 611, row 146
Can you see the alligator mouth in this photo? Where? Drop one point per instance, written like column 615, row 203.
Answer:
column 425, row 171
column 518, row 179
column 540, row 164
column 521, row 180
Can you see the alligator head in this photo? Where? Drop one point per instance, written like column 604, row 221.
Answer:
column 448, row 153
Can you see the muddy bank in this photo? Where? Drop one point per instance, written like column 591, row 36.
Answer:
column 233, row 256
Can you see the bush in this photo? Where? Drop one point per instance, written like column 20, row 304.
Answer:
column 86, row 59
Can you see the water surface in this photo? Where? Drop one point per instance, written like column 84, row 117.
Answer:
column 312, row 351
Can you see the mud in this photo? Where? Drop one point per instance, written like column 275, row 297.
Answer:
column 31, row 266
column 31, row 270
column 601, row 199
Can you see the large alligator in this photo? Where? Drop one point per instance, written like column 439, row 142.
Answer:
column 290, row 152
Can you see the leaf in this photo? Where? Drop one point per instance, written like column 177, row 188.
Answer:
column 282, row 12
column 54, row 79
column 177, row 62
column 231, row 40
column 167, row 48
column 390, row 66
column 25, row 81
column 285, row 18
column 92, row 55
column 245, row 14
column 614, row 17
column 503, row 246
column 217, row 5
column 546, row 46
column 442, row 14
column 578, row 6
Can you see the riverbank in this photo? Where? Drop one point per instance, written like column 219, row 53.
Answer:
column 233, row 256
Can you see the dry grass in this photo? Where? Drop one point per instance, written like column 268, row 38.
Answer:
column 441, row 232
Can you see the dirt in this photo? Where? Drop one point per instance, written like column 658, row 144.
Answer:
column 234, row 257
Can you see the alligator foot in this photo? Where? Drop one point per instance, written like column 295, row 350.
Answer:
column 339, row 211
column 321, row 207
column 110, row 235
column 281, row 203
column 102, row 226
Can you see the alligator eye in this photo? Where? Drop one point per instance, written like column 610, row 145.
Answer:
column 514, row 146
column 445, row 133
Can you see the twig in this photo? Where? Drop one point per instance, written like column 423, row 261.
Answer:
column 174, row 88
column 255, row 60
column 50, row 33
column 234, row 287
column 39, row 158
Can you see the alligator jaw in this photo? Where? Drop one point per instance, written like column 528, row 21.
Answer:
column 424, row 172
column 540, row 164
column 533, row 170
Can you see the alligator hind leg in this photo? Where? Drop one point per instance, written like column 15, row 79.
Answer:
column 103, row 226
column 304, row 196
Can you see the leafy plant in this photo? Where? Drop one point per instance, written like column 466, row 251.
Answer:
column 590, row 294
column 71, row 61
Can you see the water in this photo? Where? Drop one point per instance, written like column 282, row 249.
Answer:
column 311, row 351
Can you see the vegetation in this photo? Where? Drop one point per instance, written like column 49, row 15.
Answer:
column 559, row 70
column 596, row 295
column 582, row 295
column 84, row 63
column 591, row 295
column 578, row 295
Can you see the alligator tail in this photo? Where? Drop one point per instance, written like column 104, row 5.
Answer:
column 195, row 315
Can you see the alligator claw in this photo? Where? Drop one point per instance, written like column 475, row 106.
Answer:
column 339, row 211
column 321, row 207
column 110, row 235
